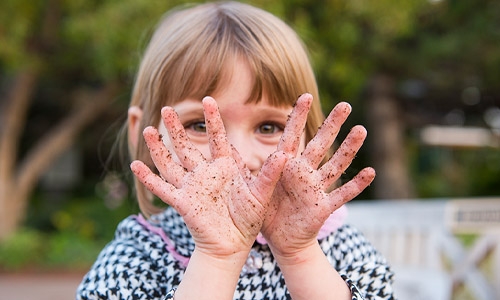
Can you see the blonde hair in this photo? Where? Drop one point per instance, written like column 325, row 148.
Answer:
column 188, row 57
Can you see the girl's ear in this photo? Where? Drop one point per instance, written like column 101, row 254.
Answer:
column 134, row 123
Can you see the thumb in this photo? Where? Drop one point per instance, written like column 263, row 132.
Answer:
column 263, row 185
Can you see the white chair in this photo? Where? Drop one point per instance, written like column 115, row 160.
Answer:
column 416, row 238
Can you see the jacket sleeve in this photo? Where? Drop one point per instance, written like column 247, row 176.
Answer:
column 362, row 267
column 129, row 268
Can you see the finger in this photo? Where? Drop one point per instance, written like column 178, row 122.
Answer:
column 219, row 146
column 269, row 175
column 317, row 148
column 188, row 154
column 244, row 171
column 290, row 140
column 162, row 158
column 342, row 158
column 164, row 190
column 351, row 189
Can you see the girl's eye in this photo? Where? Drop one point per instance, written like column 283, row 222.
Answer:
column 269, row 128
column 197, row 126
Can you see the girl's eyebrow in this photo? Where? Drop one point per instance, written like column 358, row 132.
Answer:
column 187, row 106
column 275, row 111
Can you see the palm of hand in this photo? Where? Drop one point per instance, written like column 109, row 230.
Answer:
column 298, row 208
column 300, row 203
column 222, row 210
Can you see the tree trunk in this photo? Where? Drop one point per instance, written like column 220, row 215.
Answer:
column 387, row 144
column 12, row 121
column 18, row 184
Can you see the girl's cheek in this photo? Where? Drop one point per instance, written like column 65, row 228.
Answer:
column 268, row 150
column 302, row 145
column 170, row 148
column 203, row 148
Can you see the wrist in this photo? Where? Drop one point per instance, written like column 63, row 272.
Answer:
column 223, row 263
column 309, row 275
column 211, row 276
column 296, row 257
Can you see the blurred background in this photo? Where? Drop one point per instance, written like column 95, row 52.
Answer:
column 422, row 75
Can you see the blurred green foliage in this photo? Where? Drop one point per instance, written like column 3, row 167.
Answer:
column 21, row 250
column 457, row 172
column 64, row 234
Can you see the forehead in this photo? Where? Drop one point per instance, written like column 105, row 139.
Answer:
column 238, row 75
column 235, row 93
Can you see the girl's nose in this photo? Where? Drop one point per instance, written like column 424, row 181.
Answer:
column 249, row 152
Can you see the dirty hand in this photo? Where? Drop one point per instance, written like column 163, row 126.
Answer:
column 223, row 210
column 302, row 201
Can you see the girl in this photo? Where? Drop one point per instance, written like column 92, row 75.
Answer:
column 251, row 213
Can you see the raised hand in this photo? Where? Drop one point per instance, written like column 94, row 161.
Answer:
column 302, row 201
column 222, row 210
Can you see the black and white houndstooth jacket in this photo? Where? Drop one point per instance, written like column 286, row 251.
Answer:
column 147, row 259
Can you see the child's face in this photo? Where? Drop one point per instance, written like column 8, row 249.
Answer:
column 254, row 129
